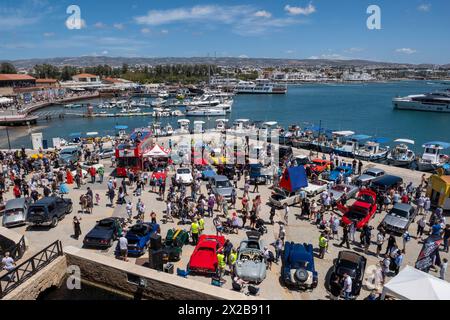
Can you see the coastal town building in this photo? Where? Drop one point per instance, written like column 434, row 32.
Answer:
column 8, row 82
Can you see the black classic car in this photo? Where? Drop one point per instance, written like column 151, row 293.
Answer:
column 104, row 233
column 354, row 265
column 48, row 211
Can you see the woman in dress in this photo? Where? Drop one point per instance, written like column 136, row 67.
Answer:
column 76, row 227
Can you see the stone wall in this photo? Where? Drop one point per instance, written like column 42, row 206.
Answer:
column 113, row 273
column 51, row 275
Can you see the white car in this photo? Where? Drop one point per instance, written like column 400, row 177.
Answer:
column 281, row 197
column 184, row 175
column 316, row 187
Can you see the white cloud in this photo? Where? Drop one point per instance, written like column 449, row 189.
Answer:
column 406, row 50
column 306, row 11
column 165, row 31
column 329, row 56
column 100, row 25
column 119, row 26
column 243, row 19
column 289, row 51
column 145, row 30
column 105, row 52
column 354, row 50
column 49, row 34
column 263, row 14
column 424, row 7
column 243, row 56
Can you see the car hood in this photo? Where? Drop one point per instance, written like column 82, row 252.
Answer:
column 365, row 177
column 395, row 221
column 100, row 233
column 224, row 191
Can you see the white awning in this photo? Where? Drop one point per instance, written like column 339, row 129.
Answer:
column 408, row 141
column 184, row 121
column 343, row 133
column 92, row 133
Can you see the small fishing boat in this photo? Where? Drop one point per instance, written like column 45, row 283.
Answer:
column 401, row 155
column 372, row 151
column 204, row 112
column 432, row 158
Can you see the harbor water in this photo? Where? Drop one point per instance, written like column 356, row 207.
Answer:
column 365, row 108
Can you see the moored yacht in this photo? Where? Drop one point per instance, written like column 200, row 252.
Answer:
column 203, row 112
column 434, row 102
column 432, row 158
column 401, row 155
column 260, row 86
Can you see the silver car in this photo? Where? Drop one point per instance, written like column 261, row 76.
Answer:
column 15, row 213
column 368, row 175
column 251, row 263
column 221, row 185
column 398, row 219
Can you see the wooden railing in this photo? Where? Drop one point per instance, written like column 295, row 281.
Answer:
column 30, row 267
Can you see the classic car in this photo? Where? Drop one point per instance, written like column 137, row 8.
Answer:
column 368, row 175
column 103, row 234
column 174, row 242
column 385, row 182
column 333, row 175
column 315, row 187
column 68, row 156
column 15, row 212
column 298, row 269
column 138, row 237
column 207, row 172
column 48, row 211
column 220, row 185
column 353, row 264
column 398, row 219
column 159, row 173
column 280, row 197
column 251, row 264
column 184, row 175
column 339, row 190
column 361, row 211
column 318, row 165
column 204, row 257
column 106, row 153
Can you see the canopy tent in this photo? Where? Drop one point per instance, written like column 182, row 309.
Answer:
column 293, row 179
column 157, row 151
column 408, row 141
column 91, row 134
column 381, row 140
column 439, row 144
column 121, row 127
column 360, row 137
column 413, row 284
column 75, row 135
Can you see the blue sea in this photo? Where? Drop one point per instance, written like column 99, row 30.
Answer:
column 365, row 108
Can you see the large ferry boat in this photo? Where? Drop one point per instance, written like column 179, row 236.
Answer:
column 260, row 86
column 433, row 102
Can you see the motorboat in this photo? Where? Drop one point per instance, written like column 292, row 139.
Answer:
column 205, row 100
column 163, row 94
column 401, row 155
column 432, row 102
column 183, row 126
column 128, row 110
column 221, row 124
column 372, row 151
column 432, row 157
column 203, row 112
column 158, row 102
column 260, row 86
column 140, row 104
column 169, row 130
column 73, row 106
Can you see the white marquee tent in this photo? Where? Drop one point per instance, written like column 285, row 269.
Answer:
column 413, row 284
column 157, row 152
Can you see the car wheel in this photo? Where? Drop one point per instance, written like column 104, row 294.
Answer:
column 54, row 222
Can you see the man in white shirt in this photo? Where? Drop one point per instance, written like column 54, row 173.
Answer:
column 8, row 262
column 123, row 246
column 347, row 286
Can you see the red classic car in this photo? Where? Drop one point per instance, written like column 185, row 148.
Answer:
column 362, row 211
column 159, row 172
column 318, row 165
column 204, row 257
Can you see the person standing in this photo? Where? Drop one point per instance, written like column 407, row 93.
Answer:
column 348, row 283
column 286, row 214
column 76, row 227
column 195, row 229
column 278, row 249
column 123, row 246
column 421, row 224
column 446, row 236
column 399, row 260
column 101, row 174
column 443, row 268
column 380, row 241
column 8, row 263
column 92, row 173
column 272, row 214
column 345, row 232
column 220, row 263
column 335, row 288
column 323, row 244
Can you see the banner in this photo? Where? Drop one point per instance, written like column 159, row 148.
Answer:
column 429, row 252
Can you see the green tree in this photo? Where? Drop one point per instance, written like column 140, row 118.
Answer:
column 7, row 67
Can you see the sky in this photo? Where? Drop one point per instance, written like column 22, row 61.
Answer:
column 411, row 31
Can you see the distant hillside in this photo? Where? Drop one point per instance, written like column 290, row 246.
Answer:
column 86, row 61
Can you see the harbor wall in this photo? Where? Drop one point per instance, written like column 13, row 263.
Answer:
column 51, row 275
column 115, row 274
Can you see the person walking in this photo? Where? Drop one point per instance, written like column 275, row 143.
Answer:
column 286, row 214
column 76, row 227
column 348, row 284
column 345, row 232
column 323, row 244
column 101, row 174
column 398, row 261
column 421, row 224
column 443, row 268
column 123, row 246
column 380, row 241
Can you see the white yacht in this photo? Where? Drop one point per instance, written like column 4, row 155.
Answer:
column 183, row 126
column 401, row 155
column 158, row 102
column 432, row 158
column 206, row 100
column 163, row 94
column 129, row 110
column 433, row 102
column 260, row 86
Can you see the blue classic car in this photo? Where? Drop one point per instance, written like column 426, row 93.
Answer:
column 298, row 270
column 207, row 172
column 334, row 174
column 139, row 238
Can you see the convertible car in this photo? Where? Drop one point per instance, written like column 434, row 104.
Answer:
column 334, row 174
column 318, row 165
column 298, row 270
column 251, row 264
column 362, row 211
column 103, row 234
column 139, row 238
column 174, row 242
column 204, row 257
column 353, row 264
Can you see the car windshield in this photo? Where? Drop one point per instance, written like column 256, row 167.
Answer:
column 139, row 229
column 400, row 213
column 183, row 171
column 366, row 198
column 13, row 211
column 68, row 151
column 37, row 210
column 370, row 173
column 356, row 214
column 105, row 224
column 223, row 184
